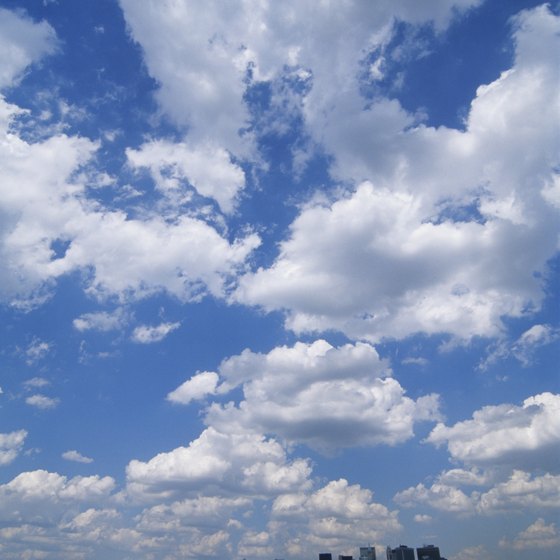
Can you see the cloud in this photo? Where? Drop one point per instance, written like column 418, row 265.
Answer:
column 519, row 492
column 36, row 351
column 338, row 515
column 73, row 455
column 198, row 387
column 36, row 383
column 204, row 74
column 100, row 321
column 43, row 402
column 182, row 255
column 520, row 436
column 537, row 536
column 317, row 394
column 11, row 444
column 471, row 553
column 422, row 518
column 208, row 169
column 145, row 334
column 24, row 43
column 245, row 463
column 447, row 230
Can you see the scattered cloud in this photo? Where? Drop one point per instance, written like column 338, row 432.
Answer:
column 101, row 321
column 11, row 445
column 537, row 536
column 145, row 334
column 42, row 402
column 197, row 387
column 36, row 383
column 73, row 455
column 521, row 436
column 36, row 351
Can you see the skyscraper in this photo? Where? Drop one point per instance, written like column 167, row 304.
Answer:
column 428, row 552
column 367, row 553
column 325, row 556
column 402, row 552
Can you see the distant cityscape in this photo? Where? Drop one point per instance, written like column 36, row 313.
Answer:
column 402, row 552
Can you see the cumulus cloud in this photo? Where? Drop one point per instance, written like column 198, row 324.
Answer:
column 335, row 516
column 42, row 402
column 537, row 536
column 11, row 444
column 246, row 463
column 399, row 255
column 23, row 42
column 100, row 321
column 36, row 383
column 208, row 169
column 519, row 492
column 204, row 73
column 520, row 436
column 198, row 387
column 314, row 393
column 73, row 455
column 146, row 334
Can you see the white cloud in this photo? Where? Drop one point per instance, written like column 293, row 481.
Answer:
column 146, row 334
column 520, row 492
column 395, row 256
column 248, row 464
column 11, row 444
column 73, row 455
column 537, row 536
column 43, row 402
column 201, row 54
column 422, row 518
column 100, row 321
column 208, row 169
column 521, row 436
column 338, row 515
column 36, row 351
column 23, row 42
column 198, row 387
column 316, row 394
column 119, row 255
column 36, row 383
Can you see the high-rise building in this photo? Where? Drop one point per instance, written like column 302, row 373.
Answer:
column 402, row 552
column 342, row 557
column 428, row 552
column 367, row 553
column 325, row 556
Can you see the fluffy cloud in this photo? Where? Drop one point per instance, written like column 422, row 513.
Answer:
column 539, row 535
column 520, row 492
column 313, row 393
column 244, row 463
column 521, row 436
column 100, row 321
column 197, row 387
column 145, row 334
column 73, row 455
column 23, row 42
column 336, row 516
column 400, row 254
column 208, row 169
column 43, row 402
column 204, row 73
column 10, row 445
column 184, row 255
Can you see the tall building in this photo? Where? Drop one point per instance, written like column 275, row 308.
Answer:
column 402, row 552
column 367, row 553
column 325, row 556
column 428, row 552
column 342, row 557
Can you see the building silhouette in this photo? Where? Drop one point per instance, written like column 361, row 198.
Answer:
column 428, row 552
column 325, row 556
column 402, row 552
column 367, row 553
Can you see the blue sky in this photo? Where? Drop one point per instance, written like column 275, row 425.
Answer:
column 278, row 278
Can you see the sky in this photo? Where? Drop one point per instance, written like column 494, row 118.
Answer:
column 279, row 278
